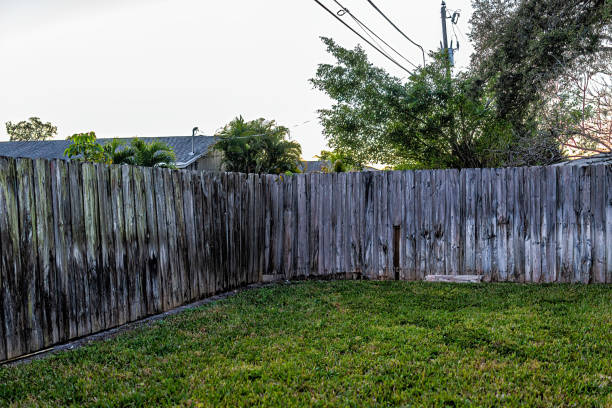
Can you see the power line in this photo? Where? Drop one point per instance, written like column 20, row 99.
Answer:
column 397, row 28
column 367, row 29
column 362, row 37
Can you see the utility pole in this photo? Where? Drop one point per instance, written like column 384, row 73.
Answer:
column 444, row 39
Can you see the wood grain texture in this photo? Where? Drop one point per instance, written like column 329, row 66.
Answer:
column 10, row 262
column 28, row 246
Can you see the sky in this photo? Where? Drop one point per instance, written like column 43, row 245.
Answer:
column 125, row 68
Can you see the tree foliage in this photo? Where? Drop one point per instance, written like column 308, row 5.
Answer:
column 257, row 146
column 31, row 130
column 339, row 162
column 117, row 152
column 85, row 147
column 154, row 154
column 527, row 98
column 523, row 45
column 578, row 112
column 433, row 120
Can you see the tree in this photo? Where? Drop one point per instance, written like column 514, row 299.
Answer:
column 117, row 152
column 578, row 112
column 523, row 45
column 257, row 146
column 85, row 148
column 31, row 130
column 339, row 162
column 154, row 154
column 432, row 121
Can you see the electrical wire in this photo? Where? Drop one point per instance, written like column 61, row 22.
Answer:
column 367, row 30
column 461, row 34
column 455, row 34
column 362, row 37
column 397, row 28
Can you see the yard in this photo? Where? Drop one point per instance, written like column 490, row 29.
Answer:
column 348, row 344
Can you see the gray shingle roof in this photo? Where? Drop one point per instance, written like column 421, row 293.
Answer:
column 54, row 149
column 314, row 166
column 603, row 158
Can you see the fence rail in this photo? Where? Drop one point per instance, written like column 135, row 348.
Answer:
column 87, row 247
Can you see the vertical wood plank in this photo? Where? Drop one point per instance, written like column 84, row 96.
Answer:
column 608, row 210
column 598, row 203
column 64, row 245
column 566, row 251
column 190, row 239
column 92, row 236
column 322, row 212
column 494, row 223
column 328, row 202
column 314, row 225
column 107, row 248
column 510, row 219
column 174, row 285
column 163, row 259
column 439, row 232
column 78, row 262
column 31, row 306
column 368, row 234
column 181, row 238
column 550, row 229
column 46, row 250
column 302, row 233
column 207, row 219
column 585, row 260
column 154, row 304
column 471, row 181
column 143, row 290
column 287, row 226
column 119, row 235
column 131, row 244
column 199, row 234
column 409, row 228
column 10, row 261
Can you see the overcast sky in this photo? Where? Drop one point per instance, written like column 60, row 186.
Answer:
column 127, row 68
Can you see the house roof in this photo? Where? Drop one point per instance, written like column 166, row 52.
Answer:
column 54, row 149
column 313, row 166
column 603, row 158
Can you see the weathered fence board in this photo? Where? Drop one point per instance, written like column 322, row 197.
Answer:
column 87, row 247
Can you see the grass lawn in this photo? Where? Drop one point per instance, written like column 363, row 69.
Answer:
column 348, row 344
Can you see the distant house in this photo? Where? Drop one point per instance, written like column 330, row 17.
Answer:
column 191, row 153
column 602, row 158
column 314, row 166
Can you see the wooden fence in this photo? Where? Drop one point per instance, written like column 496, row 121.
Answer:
column 538, row 224
column 86, row 247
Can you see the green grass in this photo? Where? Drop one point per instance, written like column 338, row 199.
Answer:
column 348, row 344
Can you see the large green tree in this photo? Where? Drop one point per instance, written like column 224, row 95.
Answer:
column 257, row 146
column 432, row 120
column 521, row 46
column 31, row 130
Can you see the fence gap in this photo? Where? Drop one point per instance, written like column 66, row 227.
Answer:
column 396, row 251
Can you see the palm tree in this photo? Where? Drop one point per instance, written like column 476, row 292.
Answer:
column 155, row 154
column 257, row 146
column 117, row 152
